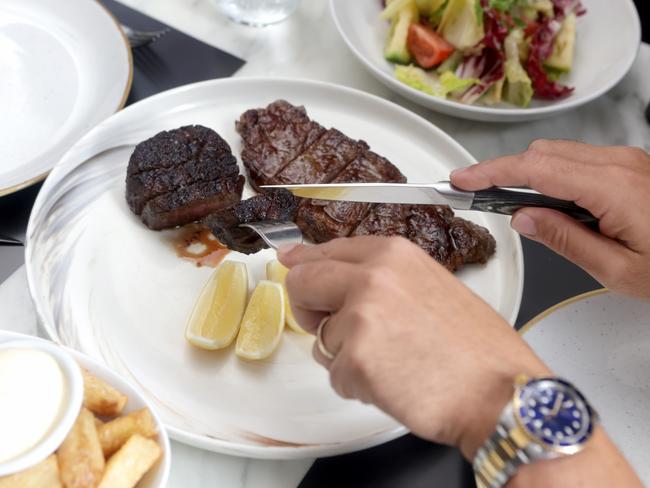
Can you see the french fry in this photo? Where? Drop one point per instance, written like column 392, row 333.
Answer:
column 80, row 456
column 101, row 398
column 125, row 468
column 113, row 434
column 98, row 423
column 44, row 475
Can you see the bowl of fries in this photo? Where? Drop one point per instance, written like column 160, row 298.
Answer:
column 116, row 441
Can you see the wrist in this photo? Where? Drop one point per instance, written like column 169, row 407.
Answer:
column 495, row 394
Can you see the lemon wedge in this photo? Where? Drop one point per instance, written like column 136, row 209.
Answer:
column 214, row 322
column 263, row 322
column 275, row 271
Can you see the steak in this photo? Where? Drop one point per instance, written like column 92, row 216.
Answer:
column 269, row 205
column 273, row 137
column 450, row 240
column 322, row 221
column 180, row 176
column 283, row 146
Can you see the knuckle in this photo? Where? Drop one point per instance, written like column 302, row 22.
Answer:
column 540, row 146
column 559, row 238
column 373, row 278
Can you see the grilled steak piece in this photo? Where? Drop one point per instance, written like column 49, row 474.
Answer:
column 450, row 240
column 322, row 221
column 270, row 205
column 179, row 176
column 283, row 146
column 273, row 137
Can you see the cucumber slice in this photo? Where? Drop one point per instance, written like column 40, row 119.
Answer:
column 396, row 50
column 561, row 59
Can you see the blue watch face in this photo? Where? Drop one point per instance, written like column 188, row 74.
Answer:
column 555, row 412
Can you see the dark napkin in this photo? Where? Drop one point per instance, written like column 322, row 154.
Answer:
column 175, row 59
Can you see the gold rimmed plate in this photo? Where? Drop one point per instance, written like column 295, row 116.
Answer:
column 65, row 66
column 601, row 342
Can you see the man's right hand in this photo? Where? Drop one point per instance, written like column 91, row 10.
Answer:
column 613, row 183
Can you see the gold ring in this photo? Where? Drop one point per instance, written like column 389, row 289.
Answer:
column 319, row 339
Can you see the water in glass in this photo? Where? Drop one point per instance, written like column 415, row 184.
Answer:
column 258, row 12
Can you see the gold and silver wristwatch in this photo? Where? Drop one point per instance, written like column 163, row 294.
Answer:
column 546, row 418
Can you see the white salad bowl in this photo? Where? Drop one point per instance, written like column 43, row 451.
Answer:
column 608, row 40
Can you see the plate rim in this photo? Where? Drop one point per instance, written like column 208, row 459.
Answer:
column 528, row 326
column 4, row 191
column 203, row 441
column 494, row 114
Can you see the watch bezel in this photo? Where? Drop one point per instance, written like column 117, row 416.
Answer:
column 523, row 382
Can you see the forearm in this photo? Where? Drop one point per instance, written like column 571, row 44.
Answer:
column 600, row 464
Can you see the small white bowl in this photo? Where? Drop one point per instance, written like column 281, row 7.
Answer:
column 73, row 398
column 156, row 477
column 608, row 41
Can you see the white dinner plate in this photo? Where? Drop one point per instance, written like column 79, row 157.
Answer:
column 601, row 342
column 159, row 474
column 105, row 284
column 64, row 67
column 601, row 60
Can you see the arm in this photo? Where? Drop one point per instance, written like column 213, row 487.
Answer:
column 411, row 339
column 611, row 182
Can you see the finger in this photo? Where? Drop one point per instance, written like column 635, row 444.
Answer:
column 351, row 250
column 320, row 286
column 551, row 175
column 308, row 319
column 593, row 252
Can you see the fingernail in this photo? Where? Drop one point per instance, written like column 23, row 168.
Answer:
column 523, row 224
column 286, row 249
column 457, row 171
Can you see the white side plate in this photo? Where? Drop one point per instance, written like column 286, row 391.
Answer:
column 65, row 67
column 599, row 62
column 601, row 342
column 106, row 285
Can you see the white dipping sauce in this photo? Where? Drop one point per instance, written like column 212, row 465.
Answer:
column 32, row 392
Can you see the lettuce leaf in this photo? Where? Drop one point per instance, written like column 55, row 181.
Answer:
column 437, row 86
column 460, row 24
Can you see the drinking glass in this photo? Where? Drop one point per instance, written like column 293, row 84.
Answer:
column 257, row 12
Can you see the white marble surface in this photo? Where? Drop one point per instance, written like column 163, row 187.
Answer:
column 308, row 46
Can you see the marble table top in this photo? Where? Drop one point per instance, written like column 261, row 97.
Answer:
column 308, row 46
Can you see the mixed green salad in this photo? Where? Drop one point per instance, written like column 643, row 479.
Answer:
column 483, row 51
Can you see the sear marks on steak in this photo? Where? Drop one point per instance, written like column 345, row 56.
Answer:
column 322, row 221
column 273, row 137
column 269, row 205
column 323, row 160
column 450, row 240
column 283, row 146
column 179, row 176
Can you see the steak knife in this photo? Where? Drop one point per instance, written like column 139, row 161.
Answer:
column 504, row 201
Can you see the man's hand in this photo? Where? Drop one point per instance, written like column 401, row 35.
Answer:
column 611, row 182
column 408, row 336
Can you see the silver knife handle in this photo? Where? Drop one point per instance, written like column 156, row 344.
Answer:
column 507, row 202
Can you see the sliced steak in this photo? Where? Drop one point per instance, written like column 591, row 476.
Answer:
column 270, row 205
column 322, row 221
column 179, row 176
column 273, row 137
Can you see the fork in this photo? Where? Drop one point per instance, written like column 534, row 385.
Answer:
column 142, row 38
column 276, row 233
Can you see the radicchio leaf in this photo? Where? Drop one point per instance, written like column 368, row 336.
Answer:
column 541, row 47
column 566, row 7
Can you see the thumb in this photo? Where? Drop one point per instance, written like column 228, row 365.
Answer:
column 595, row 253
